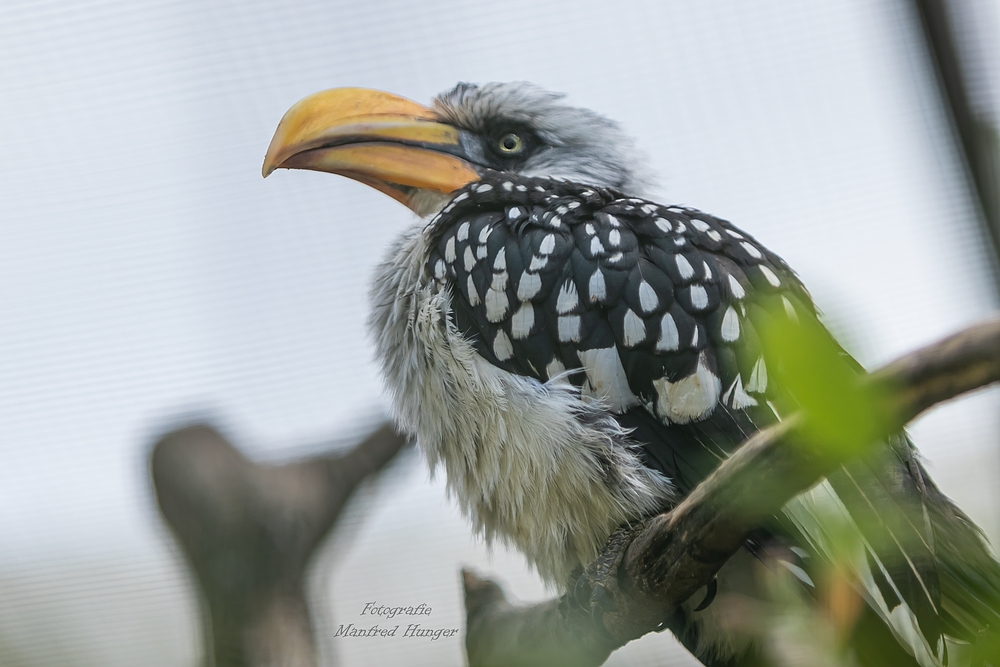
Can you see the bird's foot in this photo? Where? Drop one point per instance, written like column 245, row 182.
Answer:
column 596, row 591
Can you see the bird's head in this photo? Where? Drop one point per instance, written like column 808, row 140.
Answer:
column 421, row 155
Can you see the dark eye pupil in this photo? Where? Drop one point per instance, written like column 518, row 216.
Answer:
column 511, row 143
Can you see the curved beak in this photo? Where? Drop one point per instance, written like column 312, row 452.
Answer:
column 388, row 142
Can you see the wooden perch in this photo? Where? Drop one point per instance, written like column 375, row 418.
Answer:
column 248, row 531
column 676, row 553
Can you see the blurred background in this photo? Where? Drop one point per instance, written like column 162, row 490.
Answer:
column 149, row 277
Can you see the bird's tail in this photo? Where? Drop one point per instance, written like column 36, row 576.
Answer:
column 927, row 572
column 970, row 579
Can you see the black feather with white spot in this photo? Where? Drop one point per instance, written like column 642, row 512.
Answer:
column 549, row 275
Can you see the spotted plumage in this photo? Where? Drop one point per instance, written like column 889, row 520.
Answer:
column 570, row 274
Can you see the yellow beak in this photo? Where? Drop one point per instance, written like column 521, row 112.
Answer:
column 388, row 142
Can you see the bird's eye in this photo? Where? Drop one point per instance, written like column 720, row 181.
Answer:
column 510, row 144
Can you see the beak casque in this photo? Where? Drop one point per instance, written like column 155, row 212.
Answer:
column 388, row 142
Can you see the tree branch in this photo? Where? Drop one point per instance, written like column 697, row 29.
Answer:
column 248, row 531
column 678, row 552
column 977, row 132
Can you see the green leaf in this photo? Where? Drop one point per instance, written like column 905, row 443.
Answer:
column 842, row 413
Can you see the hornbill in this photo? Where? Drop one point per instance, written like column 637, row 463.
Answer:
column 579, row 358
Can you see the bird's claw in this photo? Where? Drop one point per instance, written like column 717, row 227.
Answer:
column 596, row 591
column 600, row 599
column 710, row 592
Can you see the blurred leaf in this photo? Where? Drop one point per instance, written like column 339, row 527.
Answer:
column 842, row 413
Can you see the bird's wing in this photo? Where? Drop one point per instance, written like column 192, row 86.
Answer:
column 647, row 300
column 641, row 305
column 655, row 310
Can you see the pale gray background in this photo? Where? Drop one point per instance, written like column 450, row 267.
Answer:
column 148, row 274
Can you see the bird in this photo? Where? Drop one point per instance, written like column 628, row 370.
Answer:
column 579, row 357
